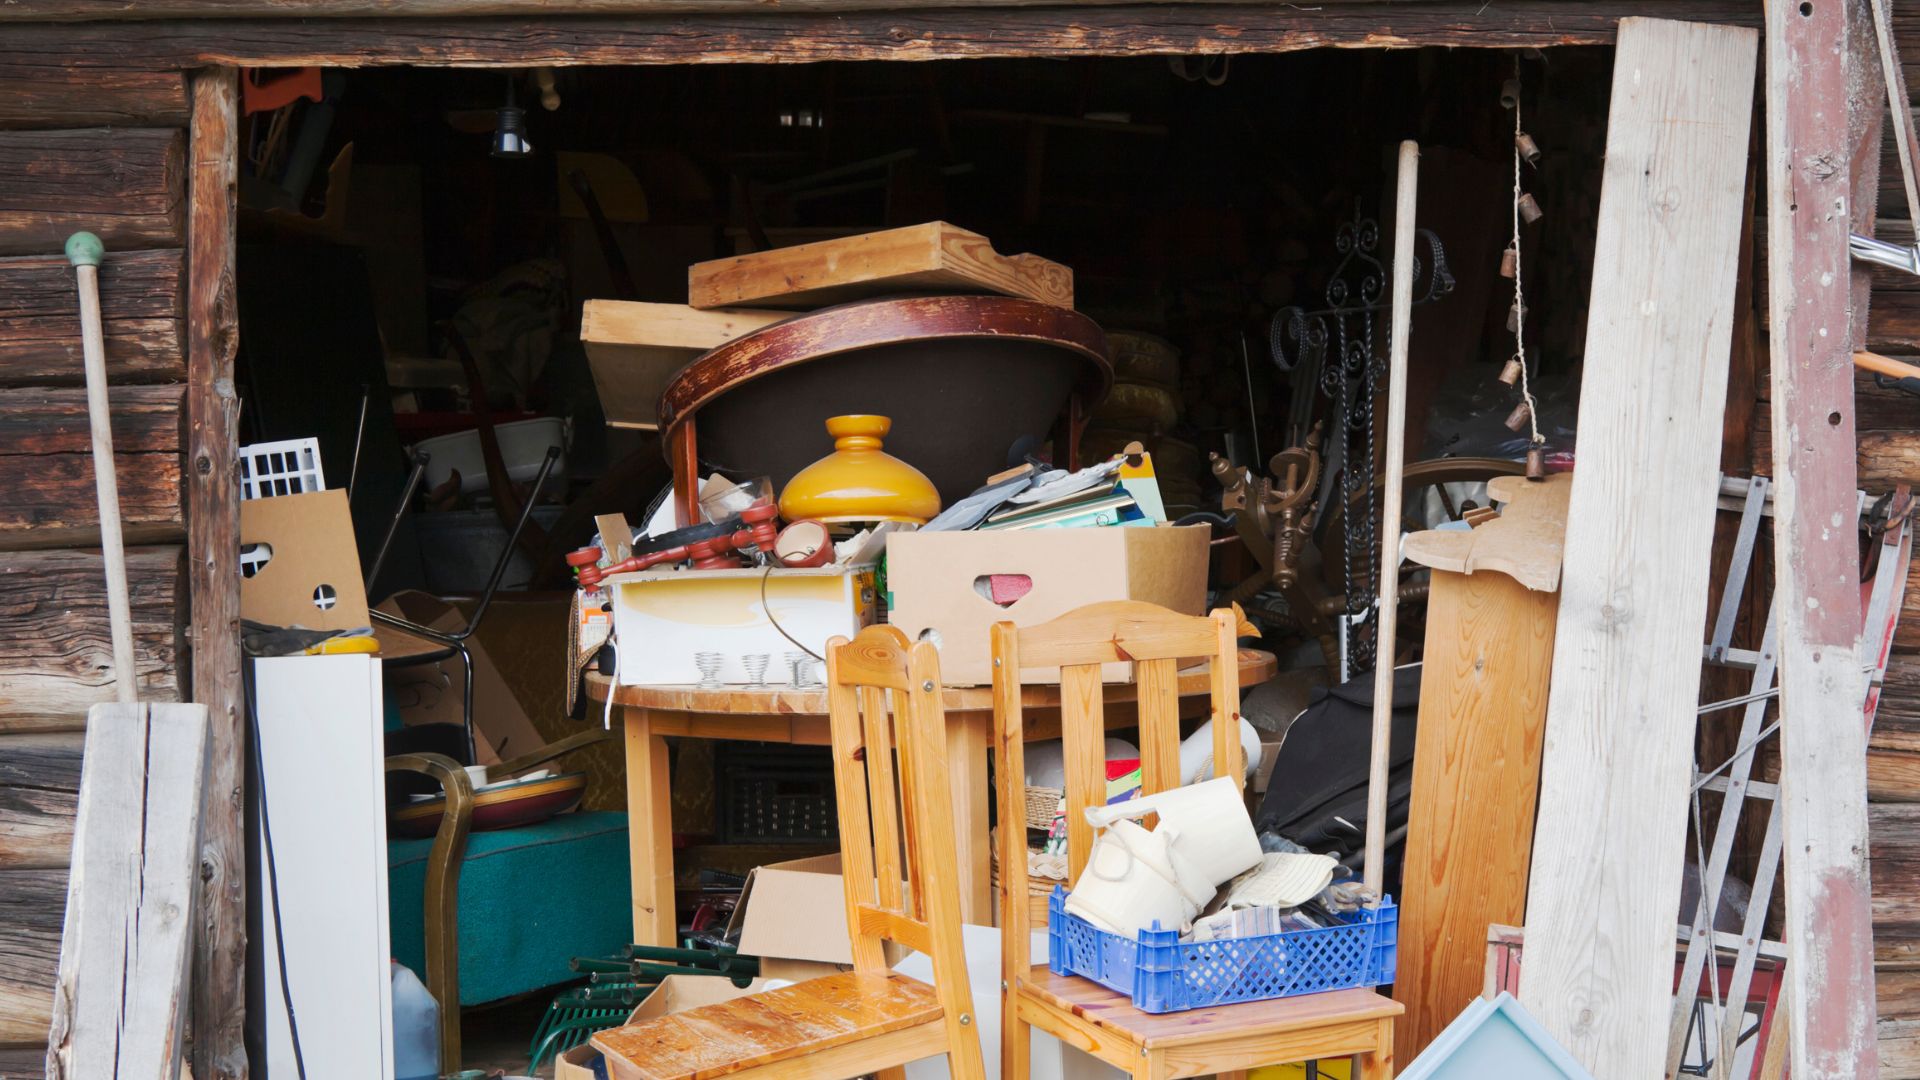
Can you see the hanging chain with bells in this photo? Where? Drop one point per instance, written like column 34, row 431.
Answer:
column 1526, row 209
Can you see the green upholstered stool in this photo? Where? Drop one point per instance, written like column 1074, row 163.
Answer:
column 531, row 898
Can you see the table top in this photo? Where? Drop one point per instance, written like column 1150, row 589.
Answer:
column 1256, row 667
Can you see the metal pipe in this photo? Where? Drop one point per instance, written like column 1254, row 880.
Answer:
column 1866, row 249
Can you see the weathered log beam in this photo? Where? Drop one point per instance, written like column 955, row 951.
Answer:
column 213, row 412
column 55, row 657
column 70, row 11
column 1894, row 837
column 37, row 799
column 127, row 185
column 87, row 99
column 32, row 905
column 963, row 32
column 46, row 467
column 140, row 301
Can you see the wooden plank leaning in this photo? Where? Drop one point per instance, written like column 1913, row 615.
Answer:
column 1607, row 855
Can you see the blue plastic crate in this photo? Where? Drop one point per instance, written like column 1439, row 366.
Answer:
column 1164, row 974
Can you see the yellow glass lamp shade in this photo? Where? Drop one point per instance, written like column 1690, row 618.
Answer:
column 859, row 481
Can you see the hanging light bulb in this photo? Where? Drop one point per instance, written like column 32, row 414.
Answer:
column 510, row 129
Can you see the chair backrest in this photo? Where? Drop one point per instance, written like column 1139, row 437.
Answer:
column 1155, row 641
column 890, row 809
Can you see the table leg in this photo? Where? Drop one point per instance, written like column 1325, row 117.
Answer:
column 649, row 831
column 969, row 735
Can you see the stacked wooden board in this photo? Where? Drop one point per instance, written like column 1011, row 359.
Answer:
column 636, row 348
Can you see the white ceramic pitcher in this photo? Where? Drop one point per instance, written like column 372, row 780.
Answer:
column 1207, row 825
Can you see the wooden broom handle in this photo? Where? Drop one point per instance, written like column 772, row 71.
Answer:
column 85, row 251
column 1385, row 615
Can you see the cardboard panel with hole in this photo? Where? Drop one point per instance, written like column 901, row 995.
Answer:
column 306, row 567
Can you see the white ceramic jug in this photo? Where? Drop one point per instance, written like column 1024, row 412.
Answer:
column 1207, row 824
column 1132, row 881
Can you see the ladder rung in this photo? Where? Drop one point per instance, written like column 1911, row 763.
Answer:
column 1755, row 788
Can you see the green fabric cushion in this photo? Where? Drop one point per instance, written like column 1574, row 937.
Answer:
column 531, row 899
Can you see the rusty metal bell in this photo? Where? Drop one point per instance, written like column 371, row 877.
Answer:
column 1510, row 94
column 1517, row 419
column 1513, row 317
column 1511, row 372
column 1529, row 150
column 1536, row 463
column 1530, row 211
column 1509, row 263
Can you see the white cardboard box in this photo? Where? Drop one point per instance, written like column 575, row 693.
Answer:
column 664, row 617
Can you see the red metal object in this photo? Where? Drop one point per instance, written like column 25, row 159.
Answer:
column 267, row 89
column 762, row 528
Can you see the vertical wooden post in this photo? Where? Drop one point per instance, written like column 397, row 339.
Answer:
column 213, row 574
column 1829, row 929
column 1386, row 615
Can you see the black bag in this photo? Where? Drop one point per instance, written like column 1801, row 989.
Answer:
column 1317, row 796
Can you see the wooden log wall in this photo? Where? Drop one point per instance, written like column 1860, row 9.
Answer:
column 105, row 152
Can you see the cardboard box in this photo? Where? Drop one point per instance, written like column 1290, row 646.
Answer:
column 431, row 693
column 793, row 916
column 676, row 993
column 663, row 618
column 940, row 582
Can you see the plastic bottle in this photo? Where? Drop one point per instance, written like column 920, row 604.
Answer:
column 416, row 1027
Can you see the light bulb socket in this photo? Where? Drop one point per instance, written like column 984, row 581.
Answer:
column 510, row 133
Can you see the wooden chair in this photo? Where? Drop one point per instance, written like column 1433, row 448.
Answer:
column 1225, row 1039
column 868, row 1020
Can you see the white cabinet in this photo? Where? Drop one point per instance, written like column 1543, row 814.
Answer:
column 322, row 774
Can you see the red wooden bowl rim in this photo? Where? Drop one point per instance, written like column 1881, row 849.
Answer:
column 870, row 323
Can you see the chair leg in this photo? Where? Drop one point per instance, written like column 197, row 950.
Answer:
column 466, row 703
column 1016, row 1042
column 1377, row 1064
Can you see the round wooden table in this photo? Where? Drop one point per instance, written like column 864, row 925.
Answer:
column 649, row 714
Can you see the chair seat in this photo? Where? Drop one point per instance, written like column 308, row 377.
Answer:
column 1115, row 1014
column 766, row 1029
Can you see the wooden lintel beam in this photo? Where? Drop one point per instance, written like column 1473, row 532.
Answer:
column 1829, row 930
column 708, row 36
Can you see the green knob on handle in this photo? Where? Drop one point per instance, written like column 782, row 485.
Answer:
column 85, row 249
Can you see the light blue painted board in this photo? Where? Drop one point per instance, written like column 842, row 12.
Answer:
column 1495, row 1038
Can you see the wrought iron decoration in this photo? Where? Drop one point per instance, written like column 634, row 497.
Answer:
column 1300, row 339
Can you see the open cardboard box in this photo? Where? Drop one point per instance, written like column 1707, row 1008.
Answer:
column 676, row 993
column 938, row 581
column 793, row 916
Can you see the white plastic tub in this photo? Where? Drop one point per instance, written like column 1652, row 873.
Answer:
column 523, row 445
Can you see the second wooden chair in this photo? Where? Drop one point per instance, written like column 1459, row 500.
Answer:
column 868, row 1020
column 1226, row 1039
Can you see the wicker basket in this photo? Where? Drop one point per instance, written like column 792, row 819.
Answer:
column 1043, row 803
column 1038, row 887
